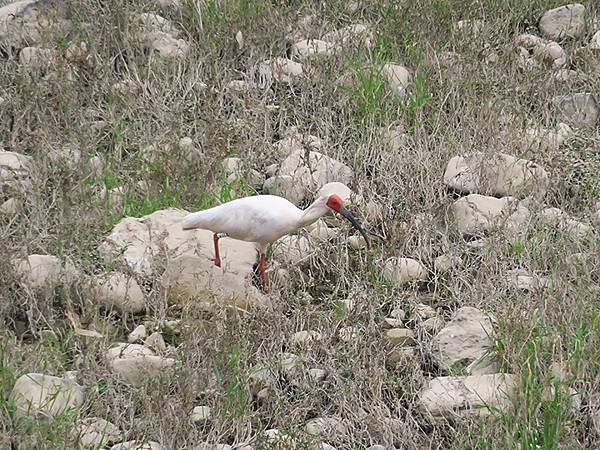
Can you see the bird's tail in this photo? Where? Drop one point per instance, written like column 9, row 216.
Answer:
column 193, row 220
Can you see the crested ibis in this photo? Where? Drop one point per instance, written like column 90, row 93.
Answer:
column 263, row 219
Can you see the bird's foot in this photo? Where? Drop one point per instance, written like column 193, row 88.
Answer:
column 217, row 261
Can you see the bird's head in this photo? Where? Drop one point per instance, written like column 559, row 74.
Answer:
column 334, row 203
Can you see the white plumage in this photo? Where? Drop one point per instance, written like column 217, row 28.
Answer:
column 263, row 219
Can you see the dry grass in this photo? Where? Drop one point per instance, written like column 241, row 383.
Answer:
column 455, row 109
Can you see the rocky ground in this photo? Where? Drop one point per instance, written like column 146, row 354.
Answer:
column 463, row 134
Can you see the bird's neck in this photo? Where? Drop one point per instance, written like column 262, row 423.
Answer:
column 311, row 214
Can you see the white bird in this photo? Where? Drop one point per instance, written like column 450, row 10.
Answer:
column 263, row 219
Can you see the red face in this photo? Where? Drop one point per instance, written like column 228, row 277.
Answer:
column 334, row 202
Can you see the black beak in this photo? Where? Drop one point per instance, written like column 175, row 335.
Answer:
column 344, row 212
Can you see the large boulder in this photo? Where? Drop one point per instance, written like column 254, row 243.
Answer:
column 464, row 396
column 566, row 21
column 119, row 291
column 401, row 271
column 146, row 245
column 36, row 393
column 464, row 339
column 497, row 175
column 45, row 272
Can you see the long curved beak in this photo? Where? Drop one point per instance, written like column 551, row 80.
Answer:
column 344, row 212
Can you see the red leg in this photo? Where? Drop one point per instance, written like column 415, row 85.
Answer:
column 217, row 258
column 262, row 268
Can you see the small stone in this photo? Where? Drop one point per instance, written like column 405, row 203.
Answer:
column 401, row 337
column 190, row 152
column 97, row 166
column 294, row 249
column 280, row 70
column 424, row 311
column 556, row 218
column 398, row 313
column 393, row 323
column 564, row 22
column 255, row 179
column 137, row 445
column 133, row 363
column 352, row 35
column 275, row 436
column 433, row 324
column 200, row 414
column 167, row 46
column 543, row 139
column 445, row 263
column 335, row 187
column 309, row 48
column 476, row 214
column 472, row 27
column 464, row 339
column 356, row 242
column 36, row 393
column 138, row 334
column 473, row 395
column 119, row 291
column 305, row 337
column 397, row 78
column 172, row 327
column 10, row 207
column 317, row 375
column 286, row 186
column 401, row 271
column 232, row 166
column 156, row 342
column 95, row 432
column 35, row 59
column 595, row 42
column 525, row 281
column 578, row 110
column 326, row 427
column 321, row 231
column 348, row 334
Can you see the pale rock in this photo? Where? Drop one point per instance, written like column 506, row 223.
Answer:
column 566, row 75
column 564, row 22
column 36, row 59
column 424, row 311
column 293, row 249
column 445, row 263
column 94, row 432
column 170, row 5
column 395, row 137
column 348, row 334
column 309, row 48
column 525, row 281
column 466, row 396
column 166, row 45
column 189, row 150
column 287, row 146
column 232, row 166
column 286, row 186
column 68, row 155
column 255, row 179
column 280, row 70
column 291, row 365
column 240, row 86
column 595, row 42
column 321, row 231
column 485, row 365
column 15, row 169
column 433, row 324
column 352, row 35
column 10, row 207
column 38, row 394
column 401, row 337
column 397, row 78
column 476, row 214
column 276, row 437
column 45, row 272
column 200, row 414
column 356, row 242
column 401, row 271
column 556, row 218
column 172, row 327
column 126, row 88
column 391, row 322
column 151, row 22
column 145, row 244
column 544, row 139
column 305, row 337
column 326, row 427
column 498, row 175
column 578, row 110
column 137, row 445
column 535, row 52
column 156, row 342
column 464, row 339
column 134, row 363
column 138, row 334
column 97, row 166
column 119, row 291
column 398, row 313
column 317, row 375
column 473, row 27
